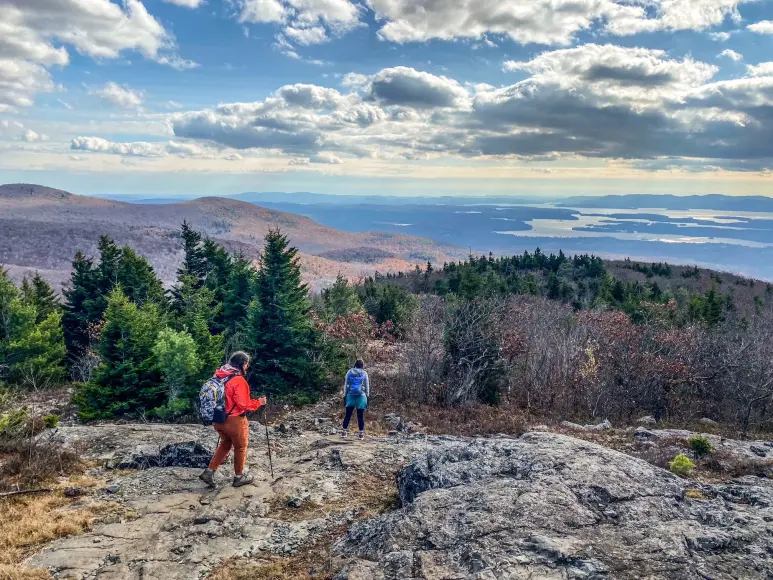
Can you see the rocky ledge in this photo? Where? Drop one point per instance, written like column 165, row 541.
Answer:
column 550, row 506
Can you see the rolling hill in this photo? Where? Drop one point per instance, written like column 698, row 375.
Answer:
column 41, row 229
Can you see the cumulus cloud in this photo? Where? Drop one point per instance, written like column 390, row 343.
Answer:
column 763, row 69
column 119, row 96
column 307, row 36
column 550, row 22
column 592, row 101
column 762, row 27
column 406, row 86
column 731, row 54
column 142, row 148
column 35, row 35
column 31, row 136
column 305, row 22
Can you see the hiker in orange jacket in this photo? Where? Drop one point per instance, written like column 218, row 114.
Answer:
column 235, row 432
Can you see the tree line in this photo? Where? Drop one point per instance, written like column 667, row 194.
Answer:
column 133, row 348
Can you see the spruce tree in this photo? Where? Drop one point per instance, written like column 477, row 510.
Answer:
column 37, row 356
column 219, row 264
column 279, row 330
column 43, row 298
column 127, row 380
column 237, row 295
column 194, row 262
column 341, row 299
column 195, row 316
column 80, row 309
column 138, row 280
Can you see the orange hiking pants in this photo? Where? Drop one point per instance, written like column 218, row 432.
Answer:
column 235, row 432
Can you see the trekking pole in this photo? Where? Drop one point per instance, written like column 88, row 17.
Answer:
column 268, row 442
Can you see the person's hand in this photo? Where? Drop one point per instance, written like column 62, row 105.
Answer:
column 262, row 400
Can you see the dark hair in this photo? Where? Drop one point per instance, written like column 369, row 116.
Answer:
column 359, row 364
column 239, row 359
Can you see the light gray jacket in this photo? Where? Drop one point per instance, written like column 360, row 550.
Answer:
column 355, row 372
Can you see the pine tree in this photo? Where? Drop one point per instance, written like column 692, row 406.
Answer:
column 195, row 317
column 237, row 295
column 17, row 318
column 127, row 380
column 194, row 262
column 279, row 330
column 81, row 308
column 341, row 299
column 43, row 298
column 219, row 265
column 179, row 363
column 37, row 356
column 138, row 280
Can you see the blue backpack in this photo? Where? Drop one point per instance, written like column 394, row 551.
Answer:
column 355, row 384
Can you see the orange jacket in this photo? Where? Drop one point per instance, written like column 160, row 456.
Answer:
column 237, row 393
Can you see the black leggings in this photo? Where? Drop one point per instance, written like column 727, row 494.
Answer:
column 360, row 418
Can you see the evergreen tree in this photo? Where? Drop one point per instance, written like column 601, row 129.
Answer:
column 37, row 356
column 138, row 280
column 279, row 329
column 341, row 299
column 714, row 307
column 17, row 318
column 127, row 380
column 44, row 298
column 179, row 363
column 81, row 308
column 194, row 262
column 237, row 295
column 219, row 265
column 195, row 317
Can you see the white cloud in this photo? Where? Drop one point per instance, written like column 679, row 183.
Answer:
column 325, row 158
column 763, row 69
column 173, row 105
column 36, row 34
column 145, row 149
column 305, row 22
column 256, row 11
column 617, row 75
column 592, row 101
column 306, row 36
column 177, row 62
column 552, row 22
column 185, row 3
column 119, row 96
column 406, row 86
column 762, row 27
column 731, row 54
column 31, row 136
column 65, row 104
column 720, row 36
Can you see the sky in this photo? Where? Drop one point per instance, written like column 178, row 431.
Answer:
column 399, row 97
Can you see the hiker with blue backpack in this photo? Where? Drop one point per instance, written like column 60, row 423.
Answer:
column 224, row 403
column 356, row 393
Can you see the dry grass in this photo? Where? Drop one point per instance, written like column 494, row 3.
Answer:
column 31, row 521
column 314, row 560
column 367, row 495
column 27, row 466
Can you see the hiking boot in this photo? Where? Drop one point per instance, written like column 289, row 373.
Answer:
column 361, row 435
column 245, row 479
column 344, row 434
column 208, row 477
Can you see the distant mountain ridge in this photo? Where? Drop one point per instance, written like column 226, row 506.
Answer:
column 747, row 203
column 42, row 228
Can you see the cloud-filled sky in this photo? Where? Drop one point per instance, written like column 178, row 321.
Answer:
column 521, row 97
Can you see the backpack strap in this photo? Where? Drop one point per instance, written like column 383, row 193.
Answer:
column 228, row 413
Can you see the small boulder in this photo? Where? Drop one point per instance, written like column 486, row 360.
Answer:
column 644, row 435
column 647, row 420
column 74, row 491
column 603, row 426
column 574, row 426
column 759, row 451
